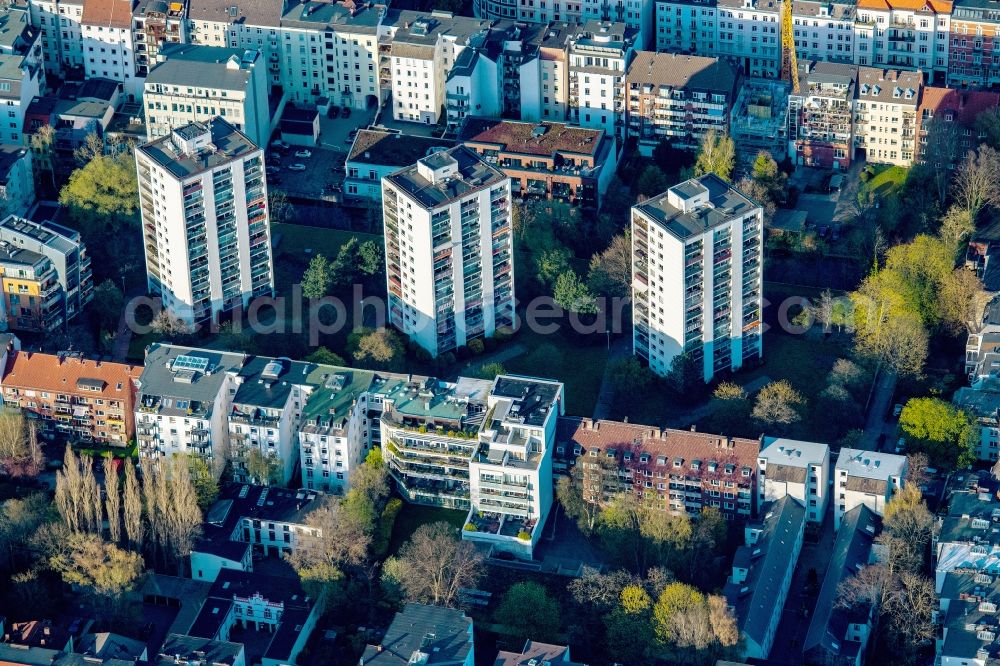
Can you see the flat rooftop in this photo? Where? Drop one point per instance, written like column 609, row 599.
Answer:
column 793, row 452
column 531, row 399
column 470, row 175
column 543, row 138
column 724, row 203
column 871, row 464
column 393, row 149
column 227, row 144
column 196, row 66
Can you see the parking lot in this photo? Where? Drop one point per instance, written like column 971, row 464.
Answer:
column 333, row 132
column 320, row 179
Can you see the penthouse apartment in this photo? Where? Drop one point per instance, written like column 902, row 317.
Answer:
column 820, row 116
column 762, row 573
column 679, row 98
column 510, row 474
column 203, row 200
column 429, row 436
column 696, row 277
column 797, row 469
column 80, row 399
column 448, row 249
column 191, row 83
column 866, row 477
column 155, row 25
column 885, row 115
column 599, row 57
column 64, row 249
column 546, row 160
column 682, row 471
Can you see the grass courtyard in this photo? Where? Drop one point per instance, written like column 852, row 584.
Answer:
column 412, row 516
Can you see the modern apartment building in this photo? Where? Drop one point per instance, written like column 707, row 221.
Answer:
column 449, row 247
column 796, row 469
column 510, row 473
column 430, row 435
column 32, row 299
column 156, row 24
column 824, row 30
column 966, row 540
column 64, row 249
column 247, row 26
column 696, row 277
column 546, row 160
column 679, row 98
column 599, row 57
column 183, row 405
column 108, row 48
column 680, row 471
column 375, row 154
column 80, row 399
column 981, row 401
column 192, row 83
column 967, row 609
column 203, row 200
column 821, row 116
column 904, row 34
column 17, row 182
column 542, row 86
column 885, row 115
column 21, row 80
column 762, row 574
column 866, row 477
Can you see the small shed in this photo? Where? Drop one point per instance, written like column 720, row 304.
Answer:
column 788, row 222
column 300, row 127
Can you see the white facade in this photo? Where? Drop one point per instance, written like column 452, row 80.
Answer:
column 599, row 56
column 797, row 469
column 21, row 80
column 205, row 220
column 108, row 51
column 749, row 34
column 197, row 83
column 866, row 477
column 903, row 36
column 696, row 267
column 885, row 115
column 332, row 448
column 61, row 34
column 17, row 183
column 449, row 262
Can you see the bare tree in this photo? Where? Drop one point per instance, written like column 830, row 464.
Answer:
column 172, row 509
column 113, row 502
column 939, row 155
column 69, row 492
column 132, row 507
column 20, row 453
column 977, row 182
column 91, row 148
column 722, row 620
column 962, row 300
column 436, row 564
column 93, row 508
column 166, row 324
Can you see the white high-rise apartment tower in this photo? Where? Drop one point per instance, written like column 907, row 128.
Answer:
column 203, row 199
column 448, row 249
column 696, row 276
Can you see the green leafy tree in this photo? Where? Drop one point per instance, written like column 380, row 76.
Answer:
column 262, row 468
column 717, row 155
column 939, row 429
column 730, row 409
column 104, row 570
column 324, row 356
column 491, row 371
column 380, row 349
column 629, row 375
column 206, row 487
column 107, row 305
column 372, row 259
column 104, row 192
column 528, row 612
column 610, row 272
column 572, row 294
column 652, row 181
column 551, row 264
column 318, row 277
column 346, row 268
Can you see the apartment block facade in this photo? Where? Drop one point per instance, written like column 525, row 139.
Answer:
column 866, row 478
column 32, row 297
column 796, row 469
column 449, row 246
column 821, row 116
column 203, row 199
column 696, row 277
column 973, row 60
column 80, row 399
column 192, row 83
column 679, row 98
column 885, row 115
column 679, row 471
column 599, row 57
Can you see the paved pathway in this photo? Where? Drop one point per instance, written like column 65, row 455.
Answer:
column 878, row 407
column 123, row 338
column 620, row 349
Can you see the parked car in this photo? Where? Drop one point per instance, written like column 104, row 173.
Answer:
column 298, row 166
column 304, row 153
column 901, row 445
column 279, row 144
column 333, row 112
column 897, row 410
column 271, row 168
column 823, row 230
column 274, row 157
column 345, row 112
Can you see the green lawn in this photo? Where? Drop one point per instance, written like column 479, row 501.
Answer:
column 296, row 239
column 413, row 516
column 887, row 179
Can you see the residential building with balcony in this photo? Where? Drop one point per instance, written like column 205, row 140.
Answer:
column 155, row 24
column 375, row 154
column 904, row 34
column 80, row 399
column 759, row 119
column 64, row 248
column 970, row 626
column 475, row 84
column 679, row 471
column 185, row 396
column 60, row 34
column 824, row 30
column 335, row 428
column 762, row 573
column 749, row 35
column 974, row 39
column 510, row 473
column 203, row 199
column 264, row 418
column 679, row 98
column 885, row 115
column 429, row 435
column 546, row 160
column 32, row 296
column 17, row 182
column 599, row 57
column 190, row 83
column 981, row 402
column 968, row 537
column 448, row 249
column 946, row 117
column 425, row 635
column 108, row 46
column 21, row 80
column 821, row 115
column 696, row 277
column 801, row 470
column 866, row 477
column 839, row 634
column 687, row 26
column 537, row 71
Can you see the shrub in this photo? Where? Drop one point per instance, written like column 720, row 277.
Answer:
column 503, row 334
column 523, row 536
column 477, row 346
column 469, row 527
column 462, row 353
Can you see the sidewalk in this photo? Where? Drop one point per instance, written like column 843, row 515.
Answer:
column 620, row 349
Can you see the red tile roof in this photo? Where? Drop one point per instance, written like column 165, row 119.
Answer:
column 514, row 136
column 965, row 104
column 60, row 373
column 108, row 13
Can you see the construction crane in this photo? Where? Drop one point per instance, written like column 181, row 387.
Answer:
column 789, row 62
